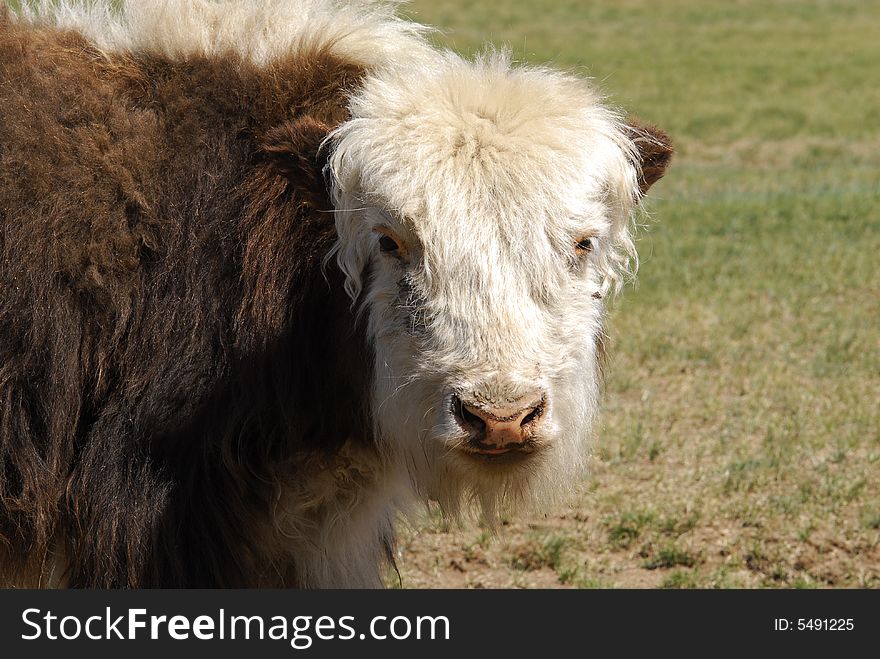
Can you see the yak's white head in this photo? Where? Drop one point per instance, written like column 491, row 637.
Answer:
column 484, row 211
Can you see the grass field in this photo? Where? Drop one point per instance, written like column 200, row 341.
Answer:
column 740, row 443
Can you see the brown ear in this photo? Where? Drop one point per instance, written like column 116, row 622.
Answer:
column 294, row 151
column 655, row 152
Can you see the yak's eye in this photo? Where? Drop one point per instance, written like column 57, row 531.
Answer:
column 584, row 245
column 388, row 244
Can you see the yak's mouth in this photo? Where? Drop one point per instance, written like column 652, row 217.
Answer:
column 510, row 454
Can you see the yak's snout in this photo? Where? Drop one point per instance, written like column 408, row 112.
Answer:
column 497, row 429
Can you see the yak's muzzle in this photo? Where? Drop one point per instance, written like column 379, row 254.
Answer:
column 499, row 429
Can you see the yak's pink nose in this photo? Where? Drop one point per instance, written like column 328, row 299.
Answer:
column 496, row 429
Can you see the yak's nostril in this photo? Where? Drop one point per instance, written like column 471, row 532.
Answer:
column 473, row 423
column 534, row 415
column 471, row 418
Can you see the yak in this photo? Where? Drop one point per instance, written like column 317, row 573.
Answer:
column 271, row 273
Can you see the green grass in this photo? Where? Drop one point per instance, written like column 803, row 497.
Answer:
column 741, row 429
column 546, row 552
column 667, row 557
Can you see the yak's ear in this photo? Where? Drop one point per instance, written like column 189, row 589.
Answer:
column 654, row 149
column 295, row 151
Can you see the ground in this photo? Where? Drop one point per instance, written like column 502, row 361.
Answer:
column 740, row 436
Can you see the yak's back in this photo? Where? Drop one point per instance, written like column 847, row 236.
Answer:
column 366, row 32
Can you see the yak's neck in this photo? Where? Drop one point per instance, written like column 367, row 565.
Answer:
column 333, row 519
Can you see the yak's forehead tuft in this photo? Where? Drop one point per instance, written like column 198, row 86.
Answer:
column 366, row 32
column 459, row 137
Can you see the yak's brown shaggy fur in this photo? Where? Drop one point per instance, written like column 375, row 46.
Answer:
column 160, row 234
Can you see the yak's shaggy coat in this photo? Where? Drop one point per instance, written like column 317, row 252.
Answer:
column 210, row 374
